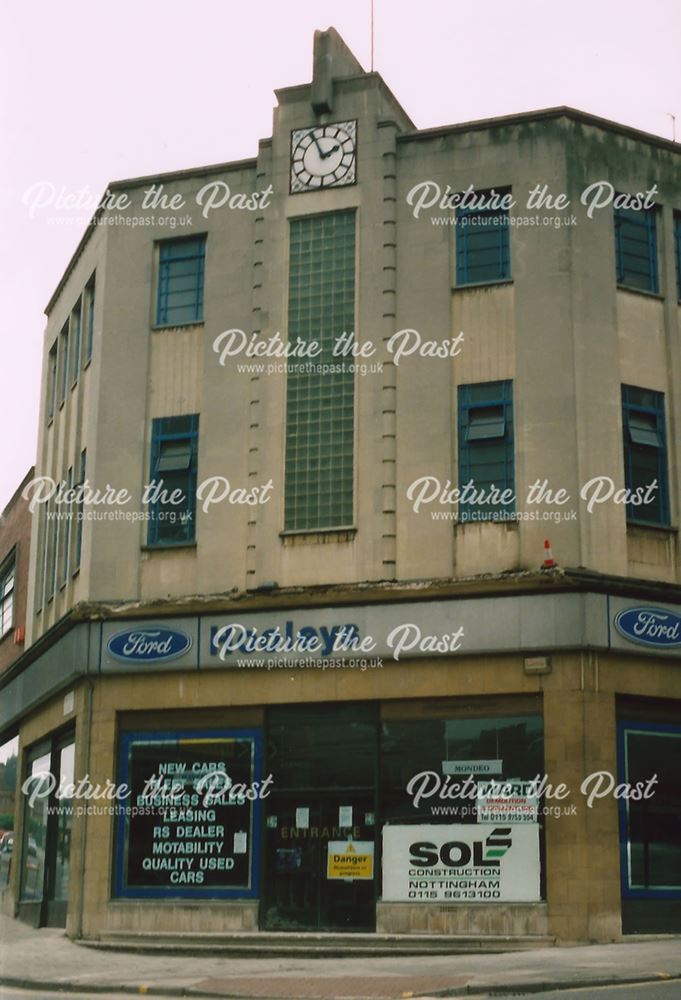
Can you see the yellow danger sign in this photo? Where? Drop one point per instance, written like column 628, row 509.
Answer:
column 350, row 859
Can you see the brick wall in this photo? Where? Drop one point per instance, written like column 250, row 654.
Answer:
column 15, row 537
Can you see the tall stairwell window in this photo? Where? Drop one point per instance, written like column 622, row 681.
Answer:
column 320, row 406
column 173, row 470
column 486, row 450
column 645, row 455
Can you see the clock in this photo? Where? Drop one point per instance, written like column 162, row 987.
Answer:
column 323, row 156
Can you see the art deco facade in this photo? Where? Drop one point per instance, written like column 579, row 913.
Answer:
column 407, row 642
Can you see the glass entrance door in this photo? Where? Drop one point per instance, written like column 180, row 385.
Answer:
column 319, row 840
column 320, row 862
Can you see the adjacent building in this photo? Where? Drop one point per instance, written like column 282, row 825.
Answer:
column 310, row 420
column 15, row 541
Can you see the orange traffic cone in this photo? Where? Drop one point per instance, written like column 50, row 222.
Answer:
column 549, row 561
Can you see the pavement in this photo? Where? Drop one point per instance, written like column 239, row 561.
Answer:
column 45, row 960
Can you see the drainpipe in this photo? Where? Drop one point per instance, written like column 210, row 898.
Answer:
column 89, row 687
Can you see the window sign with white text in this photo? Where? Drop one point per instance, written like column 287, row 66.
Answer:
column 190, row 822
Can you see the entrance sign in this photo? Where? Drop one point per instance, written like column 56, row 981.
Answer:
column 350, row 859
column 190, row 826
column 466, row 863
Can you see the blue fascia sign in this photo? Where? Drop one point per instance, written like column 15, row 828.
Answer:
column 656, row 627
column 148, row 644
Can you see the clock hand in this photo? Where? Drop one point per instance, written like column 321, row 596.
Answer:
column 328, row 153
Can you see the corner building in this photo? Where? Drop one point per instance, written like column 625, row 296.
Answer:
column 403, row 650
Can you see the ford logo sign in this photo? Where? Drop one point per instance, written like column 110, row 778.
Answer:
column 650, row 627
column 148, row 645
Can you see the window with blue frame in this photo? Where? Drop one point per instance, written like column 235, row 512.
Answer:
column 636, row 249
column 172, row 482
column 483, row 247
column 486, row 457
column 220, row 770
column 677, row 241
column 645, row 455
column 650, row 828
column 180, row 281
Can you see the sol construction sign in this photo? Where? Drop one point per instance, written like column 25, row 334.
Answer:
column 350, row 859
column 472, row 863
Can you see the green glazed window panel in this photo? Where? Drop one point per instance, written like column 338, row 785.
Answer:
column 320, row 408
column 486, row 450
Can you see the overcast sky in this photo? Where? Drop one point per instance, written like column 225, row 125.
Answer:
column 94, row 92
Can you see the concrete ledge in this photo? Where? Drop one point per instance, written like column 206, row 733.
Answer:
column 266, row 944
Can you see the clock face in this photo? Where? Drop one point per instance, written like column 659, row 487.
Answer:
column 323, row 156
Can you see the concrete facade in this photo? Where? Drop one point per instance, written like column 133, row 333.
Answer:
column 560, row 328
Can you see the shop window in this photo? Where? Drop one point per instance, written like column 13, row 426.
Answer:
column 458, row 788
column 180, row 281
column 8, row 783
column 35, row 828
column 320, row 407
column 196, row 830
column 46, row 838
column 497, row 748
column 651, row 826
column 483, row 251
column 174, row 461
column 61, row 872
column 636, row 249
column 645, row 455
column 486, row 449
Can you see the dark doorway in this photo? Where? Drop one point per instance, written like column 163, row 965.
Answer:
column 320, row 851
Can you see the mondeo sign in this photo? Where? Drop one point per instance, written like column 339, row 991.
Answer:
column 656, row 627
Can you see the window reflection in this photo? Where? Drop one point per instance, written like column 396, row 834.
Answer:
column 64, row 820
column 35, row 834
column 412, row 746
column 8, row 782
column 654, row 824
